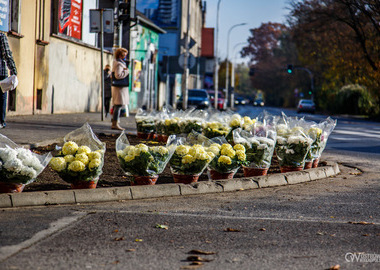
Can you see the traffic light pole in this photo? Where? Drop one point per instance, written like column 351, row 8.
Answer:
column 290, row 69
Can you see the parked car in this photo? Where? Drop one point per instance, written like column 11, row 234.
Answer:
column 239, row 100
column 306, row 105
column 258, row 102
column 222, row 104
column 198, row 98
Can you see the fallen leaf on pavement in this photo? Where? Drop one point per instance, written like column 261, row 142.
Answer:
column 201, row 252
column 130, row 250
column 361, row 223
column 160, row 226
column 196, row 263
column 197, row 259
column 115, row 262
column 231, row 230
column 335, row 267
column 365, row 234
column 119, row 238
column 138, row 240
column 116, row 230
column 190, row 266
column 262, row 229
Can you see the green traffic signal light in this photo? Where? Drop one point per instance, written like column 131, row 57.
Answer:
column 290, row 69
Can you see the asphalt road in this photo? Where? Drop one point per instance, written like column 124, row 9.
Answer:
column 315, row 225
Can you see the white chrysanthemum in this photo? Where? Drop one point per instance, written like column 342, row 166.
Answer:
column 77, row 166
column 242, row 141
column 58, row 164
column 7, row 154
column 29, row 172
column 225, row 160
column 82, row 158
column 296, row 140
column 84, row 149
column 188, row 159
column 266, row 141
column 69, row 148
column 162, row 150
column 241, row 155
column 282, row 132
column 24, row 154
column 94, row 163
column 216, row 145
column 282, row 126
column 182, row 150
column 281, row 140
column 14, row 165
column 289, row 151
column 314, row 132
column 262, row 147
column 239, row 147
column 297, row 131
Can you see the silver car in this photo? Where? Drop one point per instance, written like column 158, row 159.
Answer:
column 306, row 105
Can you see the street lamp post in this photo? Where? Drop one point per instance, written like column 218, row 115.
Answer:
column 216, row 76
column 229, row 101
column 233, row 66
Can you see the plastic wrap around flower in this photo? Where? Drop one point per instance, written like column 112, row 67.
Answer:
column 145, row 122
column 215, row 129
column 292, row 146
column 19, row 165
column 319, row 133
column 190, row 156
column 259, row 149
column 81, row 157
column 227, row 158
column 141, row 159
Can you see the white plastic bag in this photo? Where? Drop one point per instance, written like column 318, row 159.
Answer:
column 9, row 83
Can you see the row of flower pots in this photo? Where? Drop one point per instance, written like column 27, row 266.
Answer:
column 298, row 144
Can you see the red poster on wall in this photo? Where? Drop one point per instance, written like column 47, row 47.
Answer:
column 70, row 18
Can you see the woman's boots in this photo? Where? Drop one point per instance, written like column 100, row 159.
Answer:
column 115, row 125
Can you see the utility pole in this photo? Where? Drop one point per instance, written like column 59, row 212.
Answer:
column 216, row 75
column 185, row 84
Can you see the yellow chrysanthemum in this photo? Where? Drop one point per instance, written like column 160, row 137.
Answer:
column 77, row 166
column 162, row 150
column 314, row 132
column 211, row 155
column 196, row 148
column 167, row 122
column 239, row 147
column 215, row 150
column 69, row 148
column 297, row 130
column 120, row 153
column 215, row 145
column 235, row 123
column 128, row 149
column 94, row 163
column 241, row 155
column 129, row 158
column 94, row 155
column 282, row 132
column 225, row 160
column 214, row 125
column 84, row 149
column 228, row 152
column 188, row 159
column 226, row 146
column 58, row 164
column 101, row 151
column 182, row 150
column 142, row 147
column 201, row 156
column 69, row 158
column 248, row 121
column 82, row 158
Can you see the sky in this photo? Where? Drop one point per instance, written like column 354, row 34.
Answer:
column 232, row 12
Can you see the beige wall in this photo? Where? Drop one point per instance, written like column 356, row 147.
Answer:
column 71, row 69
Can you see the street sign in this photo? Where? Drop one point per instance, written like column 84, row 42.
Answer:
column 95, row 20
column 191, row 43
column 191, row 61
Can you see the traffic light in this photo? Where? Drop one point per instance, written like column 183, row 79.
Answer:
column 290, row 69
column 127, row 10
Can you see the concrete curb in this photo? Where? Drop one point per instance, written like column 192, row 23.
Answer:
column 40, row 198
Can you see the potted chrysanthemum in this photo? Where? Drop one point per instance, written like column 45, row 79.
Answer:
column 215, row 129
column 18, row 166
column 145, row 124
column 81, row 158
column 190, row 158
column 259, row 150
column 141, row 161
column 227, row 160
column 291, row 148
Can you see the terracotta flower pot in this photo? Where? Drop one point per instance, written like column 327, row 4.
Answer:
column 215, row 175
column 152, row 136
column 285, row 169
column 315, row 163
column 185, row 179
column 308, row 165
column 144, row 180
column 164, row 138
column 11, row 187
column 144, row 136
column 249, row 172
column 84, row 184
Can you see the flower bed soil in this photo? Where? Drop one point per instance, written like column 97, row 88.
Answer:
column 112, row 175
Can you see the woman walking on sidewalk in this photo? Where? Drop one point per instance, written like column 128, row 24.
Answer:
column 120, row 86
